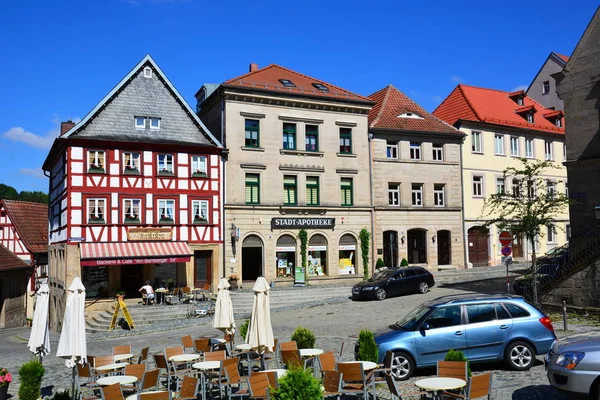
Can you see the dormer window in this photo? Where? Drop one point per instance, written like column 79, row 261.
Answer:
column 409, row 114
column 530, row 117
column 320, row 86
column 147, row 72
column 154, row 123
column 520, row 101
column 518, row 97
column 140, row 123
column 287, row 83
column 558, row 122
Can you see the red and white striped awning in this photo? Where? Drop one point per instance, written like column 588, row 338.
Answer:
column 134, row 253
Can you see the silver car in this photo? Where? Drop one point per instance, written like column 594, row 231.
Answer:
column 573, row 365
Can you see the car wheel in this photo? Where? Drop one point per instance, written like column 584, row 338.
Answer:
column 403, row 366
column 423, row 287
column 381, row 294
column 519, row 356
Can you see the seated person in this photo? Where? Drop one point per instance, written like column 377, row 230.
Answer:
column 149, row 292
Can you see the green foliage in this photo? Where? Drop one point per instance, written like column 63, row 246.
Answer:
column 367, row 348
column 364, row 237
column 304, row 338
column 121, row 293
column 303, row 236
column 456, row 355
column 298, row 383
column 10, row 193
column 64, row 395
column 404, row 262
column 380, row 264
column 244, row 329
column 30, row 375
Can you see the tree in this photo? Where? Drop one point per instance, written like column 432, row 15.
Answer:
column 364, row 237
column 8, row 192
column 532, row 203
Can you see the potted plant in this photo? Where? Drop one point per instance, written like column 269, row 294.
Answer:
column 199, row 219
column 233, row 281
column 298, row 383
column 244, row 329
column 120, row 295
column 304, row 338
column 367, row 347
column 199, row 174
column 5, row 380
column 30, row 376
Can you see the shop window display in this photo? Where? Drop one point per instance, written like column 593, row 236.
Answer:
column 317, row 255
column 347, row 255
column 285, row 253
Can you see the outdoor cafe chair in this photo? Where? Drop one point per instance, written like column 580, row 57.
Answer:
column 188, row 343
column 136, row 370
column 150, row 380
column 87, row 387
column 354, row 380
column 143, row 356
column 202, row 345
column 176, row 369
column 233, row 380
column 187, row 294
column 479, row 386
column 164, row 395
column 145, row 300
column 326, row 362
column 112, row 392
column 274, row 356
column 332, row 384
column 290, row 358
column 218, row 355
column 124, row 349
column 453, row 369
column 259, row 386
column 161, row 364
column 189, row 389
column 172, row 297
column 395, row 390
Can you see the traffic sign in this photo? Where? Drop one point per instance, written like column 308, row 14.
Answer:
column 505, row 238
column 506, row 251
column 506, row 260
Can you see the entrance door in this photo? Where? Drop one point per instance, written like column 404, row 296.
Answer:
column 132, row 279
column 390, row 248
column 252, row 258
column 443, row 239
column 478, row 246
column 202, row 268
column 517, row 245
column 417, row 246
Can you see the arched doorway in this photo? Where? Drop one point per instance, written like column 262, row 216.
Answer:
column 417, row 246
column 317, row 255
column 478, row 237
column 390, row 248
column 444, row 250
column 285, row 255
column 252, row 258
column 347, row 254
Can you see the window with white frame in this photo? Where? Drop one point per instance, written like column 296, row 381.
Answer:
column 551, row 234
column 96, row 161
column 415, row 151
column 199, row 168
column 140, row 123
column 499, row 145
column 476, row 142
column 96, row 211
column 154, row 123
column 165, row 164
column 438, row 152
column 546, row 87
column 529, row 148
column 477, row 186
column 530, row 117
column 417, row 194
column 500, row 186
column 131, row 209
column 550, row 188
column 131, row 163
column 516, row 188
column 166, row 211
column 558, row 122
column 548, row 150
column 200, row 211
column 394, row 194
column 392, row 149
column 439, row 195
column 514, row 146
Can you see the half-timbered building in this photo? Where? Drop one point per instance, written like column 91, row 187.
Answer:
column 135, row 192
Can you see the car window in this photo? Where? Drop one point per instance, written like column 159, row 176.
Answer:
column 382, row 276
column 397, row 275
column 501, row 312
column 409, row 272
column 445, row 316
column 409, row 322
column 516, row 311
column 481, row 313
column 420, row 272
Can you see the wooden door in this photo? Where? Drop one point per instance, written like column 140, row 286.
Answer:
column 478, row 246
column 517, row 245
column 202, row 268
column 443, row 239
column 390, row 248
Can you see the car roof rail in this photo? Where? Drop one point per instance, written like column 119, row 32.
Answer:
column 455, row 298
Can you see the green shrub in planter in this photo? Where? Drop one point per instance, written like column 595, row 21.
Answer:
column 367, row 348
column 304, row 338
column 64, row 395
column 244, row 329
column 379, row 264
column 457, row 355
column 30, row 375
column 298, row 383
column 404, row 262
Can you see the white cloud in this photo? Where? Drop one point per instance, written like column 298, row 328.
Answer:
column 437, row 99
column 19, row 134
column 520, row 87
column 456, row 79
column 35, row 172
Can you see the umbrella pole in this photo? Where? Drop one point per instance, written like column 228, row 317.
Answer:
column 73, row 384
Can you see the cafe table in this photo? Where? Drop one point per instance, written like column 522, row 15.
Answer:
column 123, row 357
column 367, row 365
column 280, row 372
column 311, row 352
column 110, row 367
column 436, row 385
column 184, row 357
column 203, row 367
column 120, row 379
column 162, row 293
column 137, row 396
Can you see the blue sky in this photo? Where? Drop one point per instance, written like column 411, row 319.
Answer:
column 59, row 58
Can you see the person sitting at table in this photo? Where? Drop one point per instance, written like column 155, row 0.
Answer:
column 147, row 288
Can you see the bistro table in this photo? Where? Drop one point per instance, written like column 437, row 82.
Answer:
column 367, row 365
column 437, row 385
column 204, row 366
column 123, row 357
column 311, row 352
column 280, row 372
column 137, row 396
column 184, row 357
column 110, row 367
column 120, row 379
column 243, row 347
column 162, row 292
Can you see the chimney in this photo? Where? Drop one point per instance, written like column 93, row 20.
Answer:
column 66, row 126
column 253, row 67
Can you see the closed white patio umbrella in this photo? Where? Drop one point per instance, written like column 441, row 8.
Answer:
column 223, row 319
column 39, row 339
column 72, row 344
column 260, row 331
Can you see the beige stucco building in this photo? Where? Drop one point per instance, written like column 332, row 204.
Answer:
column 298, row 158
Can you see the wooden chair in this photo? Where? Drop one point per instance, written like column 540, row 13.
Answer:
column 138, row 371
column 354, row 380
column 218, row 355
column 125, row 349
column 259, row 386
column 187, row 294
column 85, row 382
column 188, row 343
column 143, row 356
column 175, row 369
column 173, row 297
column 396, row 391
column 165, row 395
column 453, row 369
column 288, row 346
column 479, row 386
column 332, row 383
column 150, row 380
column 112, row 392
column 290, row 358
column 274, row 356
column 233, row 380
column 326, row 362
column 161, row 364
column 100, row 361
column 145, row 299
column 189, row 389
column 202, row 345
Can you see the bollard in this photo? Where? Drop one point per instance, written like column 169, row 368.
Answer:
column 564, row 312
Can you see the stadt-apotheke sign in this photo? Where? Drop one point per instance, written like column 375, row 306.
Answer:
column 307, row 223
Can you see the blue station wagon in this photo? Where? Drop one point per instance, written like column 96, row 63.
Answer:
column 484, row 327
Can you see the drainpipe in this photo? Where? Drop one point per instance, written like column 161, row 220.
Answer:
column 462, row 211
column 370, row 137
column 223, row 190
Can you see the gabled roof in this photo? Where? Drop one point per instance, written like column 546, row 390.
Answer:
column 9, row 261
column 559, row 59
column 269, row 79
column 470, row 103
column 147, row 60
column 390, row 104
column 583, row 40
column 31, row 223
column 562, row 57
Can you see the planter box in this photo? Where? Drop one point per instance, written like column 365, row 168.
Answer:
column 234, row 284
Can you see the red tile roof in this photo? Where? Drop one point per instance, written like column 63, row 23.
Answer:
column 9, row 261
column 470, row 103
column 390, row 103
column 31, row 222
column 268, row 78
column 564, row 58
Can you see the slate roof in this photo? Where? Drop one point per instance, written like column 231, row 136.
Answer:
column 31, row 222
column 9, row 261
column 470, row 103
column 268, row 78
column 113, row 117
column 391, row 102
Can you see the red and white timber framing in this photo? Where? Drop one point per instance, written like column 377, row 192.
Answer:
column 9, row 237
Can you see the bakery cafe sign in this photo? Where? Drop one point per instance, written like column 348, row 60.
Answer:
column 149, row 234
column 307, row 223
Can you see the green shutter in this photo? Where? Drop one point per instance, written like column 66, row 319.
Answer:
column 252, row 189
column 312, row 191
column 346, row 191
column 289, row 189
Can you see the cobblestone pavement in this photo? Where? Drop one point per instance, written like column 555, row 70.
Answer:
column 336, row 323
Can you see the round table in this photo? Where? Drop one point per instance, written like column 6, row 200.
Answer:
column 243, row 347
column 123, row 357
column 437, row 385
column 367, row 365
column 311, row 352
column 136, row 396
column 162, row 292
column 205, row 366
column 120, row 379
column 184, row 357
column 110, row 367
column 280, row 372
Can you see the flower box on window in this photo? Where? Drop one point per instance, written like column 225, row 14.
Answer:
column 199, row 174
column 165, row 172
column 96, row 169
column 164, row 219
column 131, row 171
column 96, row 220
column 132, row 220
column 200, row 220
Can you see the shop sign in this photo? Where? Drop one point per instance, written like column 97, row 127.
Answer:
column 135, row 261
column 347, row 247
column 317, row 248
column 149, row 234
column 286, row 248
column 307, row 223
